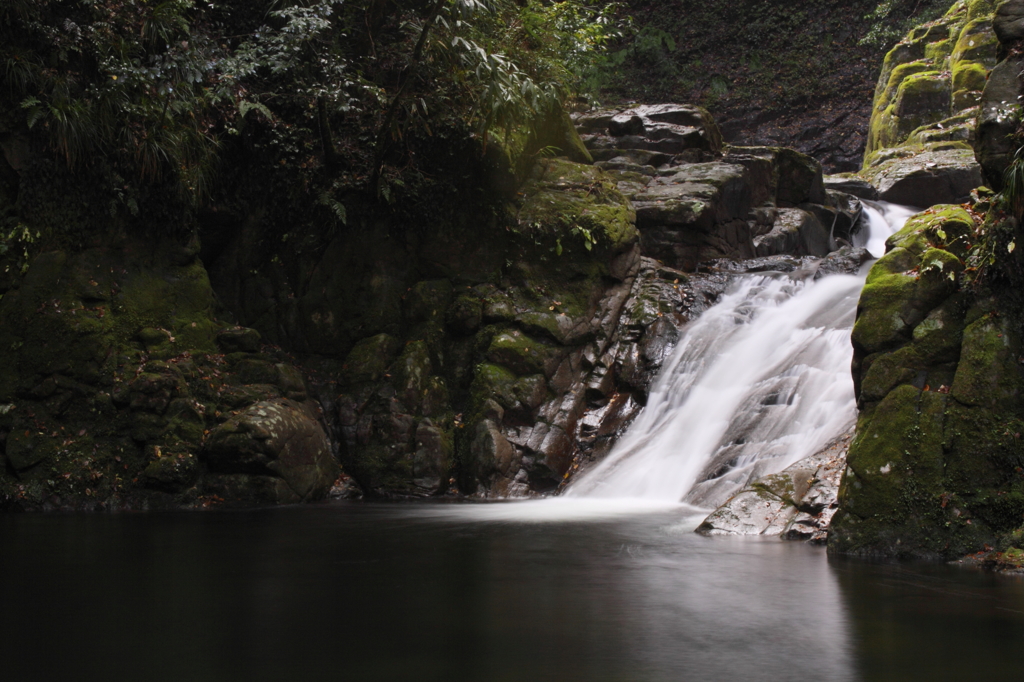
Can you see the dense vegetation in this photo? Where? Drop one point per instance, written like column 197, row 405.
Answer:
column 116, row 108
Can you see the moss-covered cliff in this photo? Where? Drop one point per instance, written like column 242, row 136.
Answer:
column 936, row 467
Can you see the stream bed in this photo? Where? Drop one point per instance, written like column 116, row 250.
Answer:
column 585, row 590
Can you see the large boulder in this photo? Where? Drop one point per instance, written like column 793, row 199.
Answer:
column 797, row 503
column 1008, row 22
column 795, row 232
column 926, row 178
column 274, row 451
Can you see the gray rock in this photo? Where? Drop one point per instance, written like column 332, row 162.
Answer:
column 795, row 504
column 1000, row 103
column 492, row 453
column 858, row 187
column 928, row 178
column 1008, row 22
column 626, row 124
column 796, row 232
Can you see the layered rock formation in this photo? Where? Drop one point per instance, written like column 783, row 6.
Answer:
column 929, row 94
column 697, row 200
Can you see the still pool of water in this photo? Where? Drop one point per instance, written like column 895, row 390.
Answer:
column 527, row 591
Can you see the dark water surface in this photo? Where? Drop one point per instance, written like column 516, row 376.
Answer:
column 476, row 592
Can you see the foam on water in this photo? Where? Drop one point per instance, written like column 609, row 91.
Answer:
column 559, row 509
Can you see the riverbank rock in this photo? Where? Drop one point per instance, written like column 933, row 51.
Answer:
column 275, row 451
column 795, row 504
column 114, row 375
column 934, row 469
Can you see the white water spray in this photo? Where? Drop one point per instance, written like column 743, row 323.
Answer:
column 758, row 382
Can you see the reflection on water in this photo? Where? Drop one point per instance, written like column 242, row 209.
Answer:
column 471, row 592
column 933, row 622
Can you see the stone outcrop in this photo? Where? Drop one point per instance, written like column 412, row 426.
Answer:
column 931, row 81
column 934, row 470
column 923, row 127
column 696, row 201
column 795, row 504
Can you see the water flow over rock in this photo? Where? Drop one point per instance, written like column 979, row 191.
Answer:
column 759, row 382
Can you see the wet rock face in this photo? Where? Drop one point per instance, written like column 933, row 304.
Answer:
column 797, row 503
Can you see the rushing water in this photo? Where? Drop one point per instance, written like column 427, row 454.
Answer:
column 759, row 382
column 567, row 592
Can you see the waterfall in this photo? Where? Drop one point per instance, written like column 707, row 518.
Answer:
column 758, row 382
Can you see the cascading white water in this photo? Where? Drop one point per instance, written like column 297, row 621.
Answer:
column 758, row 382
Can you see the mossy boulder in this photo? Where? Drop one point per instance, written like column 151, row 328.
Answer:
column 937, row 468
column 989, row 373
column 576, row 208
column 370, row 358
column 890, row 495
column 555, row 131
column 910, row 280
column 523, row 354
column 280, row 440
column 969, row 76
column 428, row 301
column 72, row 313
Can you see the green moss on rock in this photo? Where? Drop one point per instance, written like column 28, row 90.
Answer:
column 577, row 205
column 369, row 359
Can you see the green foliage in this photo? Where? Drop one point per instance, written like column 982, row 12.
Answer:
column 1013, row 185
column 506, row 63
column 890, row 20
column 123, row 81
